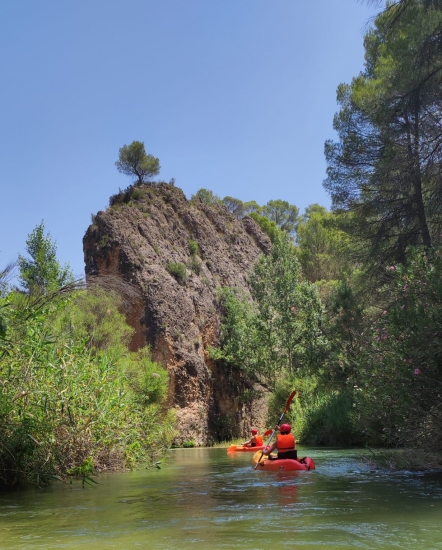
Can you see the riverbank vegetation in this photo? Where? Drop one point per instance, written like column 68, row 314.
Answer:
column 354, row 323
column 73, row 400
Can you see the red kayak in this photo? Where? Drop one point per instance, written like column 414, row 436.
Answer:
column 282, row 464
column 242, row 449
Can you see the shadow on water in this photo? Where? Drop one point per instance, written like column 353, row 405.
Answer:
column 207, row 498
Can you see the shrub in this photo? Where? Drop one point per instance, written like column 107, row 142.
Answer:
column 319, row 416
column 193, row 247
column 177, row 270
column 195, row 265
column 74, row 400
column 137, row 194
column 268, row 226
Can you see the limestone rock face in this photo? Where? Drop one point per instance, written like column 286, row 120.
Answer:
column 146, row 232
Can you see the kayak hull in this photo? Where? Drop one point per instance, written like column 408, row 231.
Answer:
column 283, row 464
column 242, row 449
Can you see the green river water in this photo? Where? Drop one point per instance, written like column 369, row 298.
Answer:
column 204, row 498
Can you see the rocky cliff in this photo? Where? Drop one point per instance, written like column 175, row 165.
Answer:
column 178, row 253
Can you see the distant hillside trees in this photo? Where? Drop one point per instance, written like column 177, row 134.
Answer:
column 134, row 161
column 285, row 215
column 239, row 208
column 206, row 196
column 282, row 213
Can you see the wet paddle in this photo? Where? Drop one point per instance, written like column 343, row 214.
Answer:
column 287, row 405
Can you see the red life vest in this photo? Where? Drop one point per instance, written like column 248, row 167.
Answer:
column 258, row 440
column 285, row 442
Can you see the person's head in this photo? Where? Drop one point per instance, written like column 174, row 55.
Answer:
column 254, row 431
column 285, row 428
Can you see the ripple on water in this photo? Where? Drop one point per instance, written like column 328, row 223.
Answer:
column 208, row 499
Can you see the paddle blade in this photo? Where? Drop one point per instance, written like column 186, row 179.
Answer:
column 256, row 458
column 268, row 432
column 289, row 400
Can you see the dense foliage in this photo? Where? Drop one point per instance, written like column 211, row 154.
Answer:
column 73, row 400
column 280, row 330
column 366, row 358
column 397, row 382
column 386, row 167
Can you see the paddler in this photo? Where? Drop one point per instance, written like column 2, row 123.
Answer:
column 255, row 440
column 285, row 443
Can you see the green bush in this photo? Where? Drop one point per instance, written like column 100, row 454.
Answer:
column 177, row 270
column 397, row 381
column 269, row 227
column 73, row 399
column 193, row 247
column 137, row 194
column 195, row 265
column 319, row 415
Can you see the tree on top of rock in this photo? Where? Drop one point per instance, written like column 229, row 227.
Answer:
column 134, row 161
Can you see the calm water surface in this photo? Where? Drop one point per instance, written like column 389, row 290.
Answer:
column 203, row 498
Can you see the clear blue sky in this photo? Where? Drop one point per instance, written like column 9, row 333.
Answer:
column 236, row 96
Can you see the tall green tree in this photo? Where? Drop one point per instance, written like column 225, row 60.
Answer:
column 281, row 330
column 42, row 272
column 239, row 208
column 134, row 161
column 290, row 308
column 386, row 167
column 235, row 206
column 284, row 214
column 322, row 245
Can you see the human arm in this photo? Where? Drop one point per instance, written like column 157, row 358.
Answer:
column 268, row 450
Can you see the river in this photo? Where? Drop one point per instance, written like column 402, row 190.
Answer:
column 204, row 498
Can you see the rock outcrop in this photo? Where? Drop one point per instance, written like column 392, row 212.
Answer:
column 178, row 253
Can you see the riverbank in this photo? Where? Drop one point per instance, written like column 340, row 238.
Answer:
column 411, row 460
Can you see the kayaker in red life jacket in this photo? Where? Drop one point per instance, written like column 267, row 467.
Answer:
column 285, row 443
column 255, row 440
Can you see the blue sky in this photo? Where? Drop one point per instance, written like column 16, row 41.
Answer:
column 236, row 96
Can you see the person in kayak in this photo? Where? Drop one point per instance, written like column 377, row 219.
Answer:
column 285, row 443
column 255, row 440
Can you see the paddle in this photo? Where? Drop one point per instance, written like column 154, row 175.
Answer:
column 287, row 405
